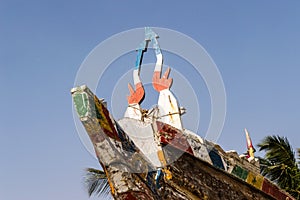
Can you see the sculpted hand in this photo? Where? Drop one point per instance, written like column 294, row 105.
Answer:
column 160, row 84
column 137, row 95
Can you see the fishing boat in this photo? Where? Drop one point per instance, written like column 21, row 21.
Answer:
column 148, row 154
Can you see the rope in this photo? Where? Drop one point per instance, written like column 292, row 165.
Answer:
column 146, row 114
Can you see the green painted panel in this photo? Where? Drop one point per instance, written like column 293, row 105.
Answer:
column 240, row 172
column 81, row 104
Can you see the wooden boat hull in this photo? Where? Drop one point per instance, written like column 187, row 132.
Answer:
column 132, row 175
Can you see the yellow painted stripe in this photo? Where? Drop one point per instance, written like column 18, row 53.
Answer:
column 103, row 121
column 161, row 157
column 109, row 182
column 255, row 179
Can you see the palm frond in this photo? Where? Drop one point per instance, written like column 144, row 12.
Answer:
column 278, row 150
column 264, row 165
column 279, row 164
column 97, row 183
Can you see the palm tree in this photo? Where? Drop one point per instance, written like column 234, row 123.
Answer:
column 280, row 165
column 97, row 184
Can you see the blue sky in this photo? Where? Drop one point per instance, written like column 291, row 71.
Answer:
column 255, row 45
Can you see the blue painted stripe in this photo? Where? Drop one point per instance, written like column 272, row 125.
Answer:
column 149, row 35
column 216, row 159
column 138, row 59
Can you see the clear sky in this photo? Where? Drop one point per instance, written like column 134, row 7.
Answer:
column 255, row 44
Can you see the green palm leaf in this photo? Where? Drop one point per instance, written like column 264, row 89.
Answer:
column 97, row 184
column 278, row 149
column 279, row 164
